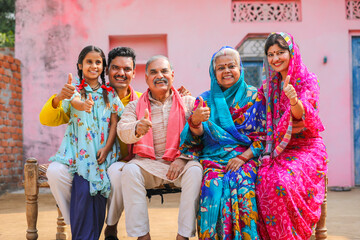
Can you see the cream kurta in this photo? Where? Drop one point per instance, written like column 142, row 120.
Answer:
column 159, row 118
column 142, row 173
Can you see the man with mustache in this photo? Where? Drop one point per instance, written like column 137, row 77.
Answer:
column 153, row 125
column 121, row 70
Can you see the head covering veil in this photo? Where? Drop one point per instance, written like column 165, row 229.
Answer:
column 220, row 101
column 278, row 114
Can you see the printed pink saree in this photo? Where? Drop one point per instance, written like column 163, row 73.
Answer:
column 290, row 184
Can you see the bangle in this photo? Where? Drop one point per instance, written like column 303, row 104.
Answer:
column 242, row 158
column 192, row 125
column 297, row 100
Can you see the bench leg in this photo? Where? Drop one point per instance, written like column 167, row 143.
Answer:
column 61, row 227
column 321, row 230
column 31, row 193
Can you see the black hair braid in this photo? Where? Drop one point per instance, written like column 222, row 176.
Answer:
column 82, row 91
column 105, row 93
column 81, row 58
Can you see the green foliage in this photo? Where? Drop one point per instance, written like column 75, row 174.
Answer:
column 7, row 23
column 7, row 39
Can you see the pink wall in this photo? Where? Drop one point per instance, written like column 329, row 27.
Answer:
column 50, row 34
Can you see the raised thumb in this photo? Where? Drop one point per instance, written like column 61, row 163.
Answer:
column 70, row 78
column 146, row 115
column 89, row 97
column 286, row 82
column 201, row 102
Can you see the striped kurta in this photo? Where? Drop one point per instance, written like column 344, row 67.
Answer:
column 159, row 118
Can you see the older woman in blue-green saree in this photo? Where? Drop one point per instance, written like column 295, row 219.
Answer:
column 225, row 133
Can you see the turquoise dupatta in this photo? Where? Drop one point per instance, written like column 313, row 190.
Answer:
column 227, row 199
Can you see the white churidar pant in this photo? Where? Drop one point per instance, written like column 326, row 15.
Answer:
column 135, row 181
column 115, row 204
column 60, row 181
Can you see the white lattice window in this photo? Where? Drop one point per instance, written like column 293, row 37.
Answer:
column 252, row 47
column 353, row 9
column 251, row 51
column 266, row 11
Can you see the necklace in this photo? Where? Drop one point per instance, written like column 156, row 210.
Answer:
column 96, row 87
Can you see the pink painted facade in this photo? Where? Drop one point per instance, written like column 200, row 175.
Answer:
column 50, row 35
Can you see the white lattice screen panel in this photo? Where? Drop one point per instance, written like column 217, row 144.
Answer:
column 266, row 11
column 253, row 47
column 352, row 9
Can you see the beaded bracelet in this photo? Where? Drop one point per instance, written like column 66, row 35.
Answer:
column 191, row 124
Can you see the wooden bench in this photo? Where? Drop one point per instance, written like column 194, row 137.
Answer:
column 35, row 177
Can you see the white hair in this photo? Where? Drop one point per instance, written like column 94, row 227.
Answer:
column 153, row 58
column 227, row 51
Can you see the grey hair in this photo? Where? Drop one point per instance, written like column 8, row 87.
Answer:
column 156, row 57
column 227, row 51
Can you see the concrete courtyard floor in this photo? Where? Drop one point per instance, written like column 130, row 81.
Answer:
column 343, row 220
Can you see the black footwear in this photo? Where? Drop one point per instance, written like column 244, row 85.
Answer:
column 111, row 238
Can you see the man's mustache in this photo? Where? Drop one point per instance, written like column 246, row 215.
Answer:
column 156, row 80
column 124, row 76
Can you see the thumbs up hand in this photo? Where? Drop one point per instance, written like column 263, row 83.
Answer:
column 144, row 125
column 146, row 114
column 88, row 104
column 289, row 90
column 201, row 113
column 70, row 78
column 68, row 90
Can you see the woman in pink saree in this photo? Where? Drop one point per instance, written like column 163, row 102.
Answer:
column 291, row 179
